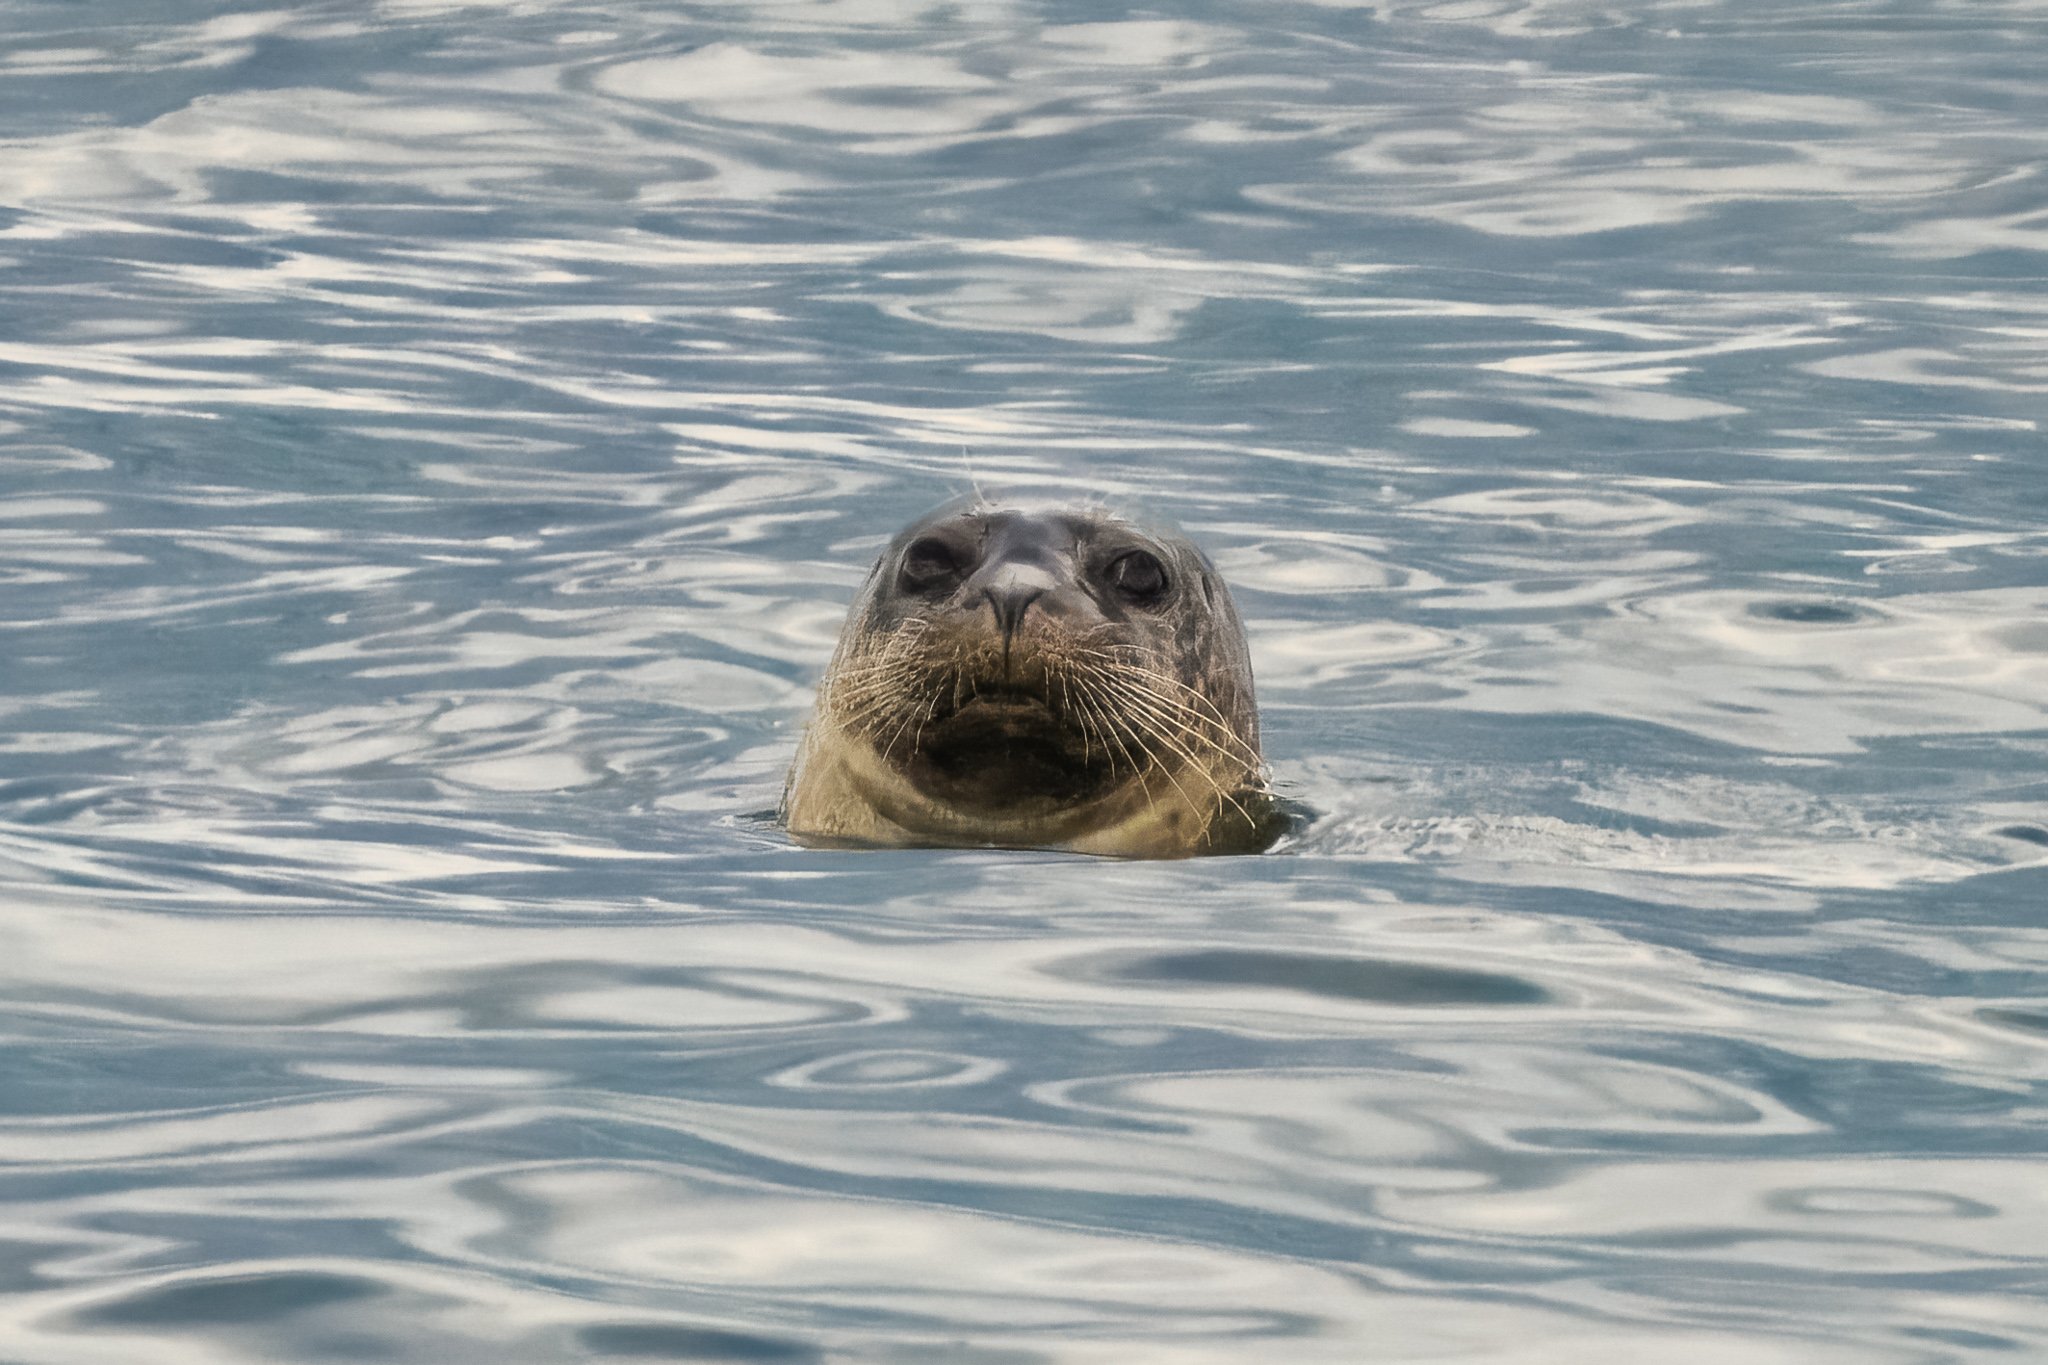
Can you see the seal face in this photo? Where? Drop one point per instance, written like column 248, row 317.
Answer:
column 1017, row 678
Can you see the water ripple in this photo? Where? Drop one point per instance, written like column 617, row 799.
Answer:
column 435, row 456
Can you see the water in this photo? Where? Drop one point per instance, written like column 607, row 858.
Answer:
column 438, row 442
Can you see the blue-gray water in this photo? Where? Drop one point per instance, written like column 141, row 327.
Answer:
column 438, row 442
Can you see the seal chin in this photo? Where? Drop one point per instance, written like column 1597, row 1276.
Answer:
column 1006, row 750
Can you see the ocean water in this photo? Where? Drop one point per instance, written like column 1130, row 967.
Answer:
column 438, row 442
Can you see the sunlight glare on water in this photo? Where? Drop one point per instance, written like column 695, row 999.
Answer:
column 438, row 442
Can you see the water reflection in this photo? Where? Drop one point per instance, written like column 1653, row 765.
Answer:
column 1381, row 982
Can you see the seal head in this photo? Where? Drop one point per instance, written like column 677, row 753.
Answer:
column 1020, row 679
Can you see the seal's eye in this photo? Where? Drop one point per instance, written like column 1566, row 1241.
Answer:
column 929, row 563
column 1138, row 577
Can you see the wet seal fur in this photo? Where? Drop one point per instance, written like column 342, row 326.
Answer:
column 1037, row 679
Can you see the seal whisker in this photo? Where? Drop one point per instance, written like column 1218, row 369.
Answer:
column 1175, row 732
column 1138, row 737
column 1123, row 742
column 1169, row 739
column 1196, row 727
column 1113, row 742
column 1202, row 714
column 1060, row 672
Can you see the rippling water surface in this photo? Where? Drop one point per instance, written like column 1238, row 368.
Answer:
column 438, row 441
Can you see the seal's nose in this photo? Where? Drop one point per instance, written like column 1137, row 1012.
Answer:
column 1010, row 589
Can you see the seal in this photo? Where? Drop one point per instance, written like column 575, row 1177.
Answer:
column 1018, row 678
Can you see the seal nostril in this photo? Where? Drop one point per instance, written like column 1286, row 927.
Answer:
column 1009, row 604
